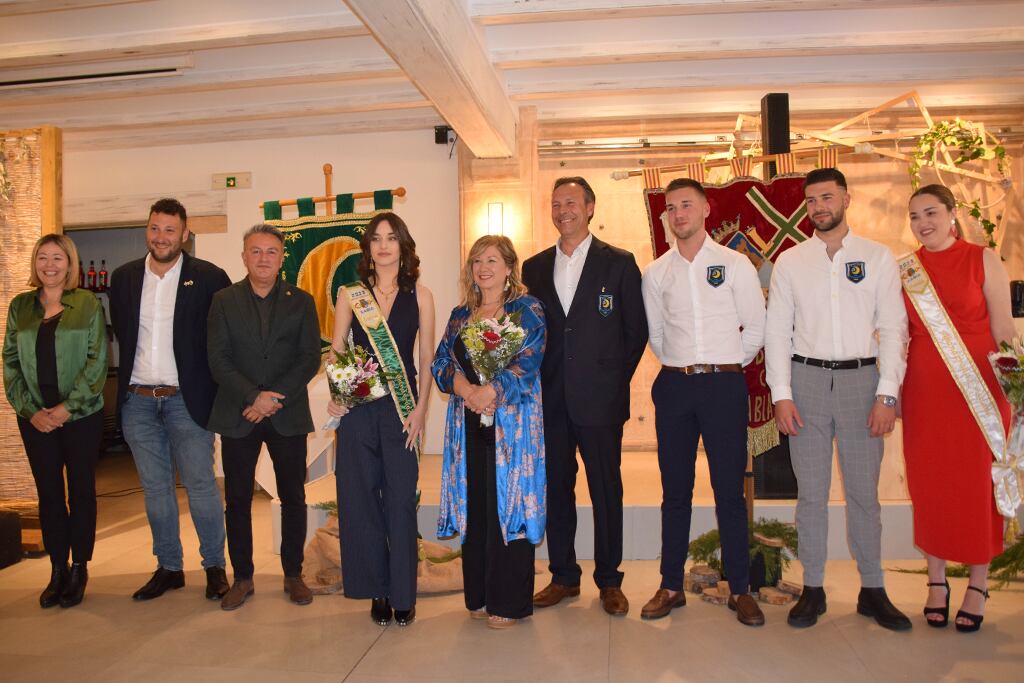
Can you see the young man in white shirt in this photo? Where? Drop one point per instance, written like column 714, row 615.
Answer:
column 831, row 379
column 706, row 316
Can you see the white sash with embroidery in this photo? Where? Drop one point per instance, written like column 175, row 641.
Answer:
column 954, row 353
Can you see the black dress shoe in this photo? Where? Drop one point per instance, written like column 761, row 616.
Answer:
column 74, row 587
column 216, row 583
column 808, row 608
column 50, row 597
column 380, row 611
column 873, row 602
column 161, row 581
column 404, row 617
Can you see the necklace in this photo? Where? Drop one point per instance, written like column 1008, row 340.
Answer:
column 493, row 308
column 389, row 294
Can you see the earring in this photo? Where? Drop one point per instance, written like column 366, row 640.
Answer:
column 508, row 283
column 476, row 288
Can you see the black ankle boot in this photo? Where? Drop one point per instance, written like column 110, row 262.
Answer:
column 74, row 587
column 58, row 577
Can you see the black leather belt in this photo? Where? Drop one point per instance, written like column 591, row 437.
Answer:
column 705, row 368
column 835, row 364
column 153, row 391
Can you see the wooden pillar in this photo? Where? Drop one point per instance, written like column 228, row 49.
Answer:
column 30, row 208
column 508, row 182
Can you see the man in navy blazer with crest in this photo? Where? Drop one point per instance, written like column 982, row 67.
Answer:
column 597, row 331
column 158, row 307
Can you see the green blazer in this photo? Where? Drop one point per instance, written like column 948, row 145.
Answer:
column 81, row 344
column 243, row 364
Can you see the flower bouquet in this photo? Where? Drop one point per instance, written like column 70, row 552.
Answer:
column 1008, row 467
column 354, row 378
column 491, row 344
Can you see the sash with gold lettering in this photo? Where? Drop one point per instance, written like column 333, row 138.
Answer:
column 366, row 311
column 954, row 353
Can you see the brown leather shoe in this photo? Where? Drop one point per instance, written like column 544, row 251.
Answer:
column 553, row 594
column 662, row 603
column 614, row 601
column 747, row 610
column 237, row 594
column 297, row 590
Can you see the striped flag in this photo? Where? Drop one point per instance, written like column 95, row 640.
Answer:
column 785, row 163
column 695, row 171
column 741, row 166
column 828, row 157
column 652, row 178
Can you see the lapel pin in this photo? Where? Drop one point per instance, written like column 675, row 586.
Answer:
column 187, row 283
column 288, row 293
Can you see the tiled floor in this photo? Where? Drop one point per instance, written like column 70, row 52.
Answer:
column 181, row 636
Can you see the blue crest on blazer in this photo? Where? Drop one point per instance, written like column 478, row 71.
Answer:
column 855, row 271
column 605, row 304
column 716, row 275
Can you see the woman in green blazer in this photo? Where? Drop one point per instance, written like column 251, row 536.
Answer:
column 55, row 365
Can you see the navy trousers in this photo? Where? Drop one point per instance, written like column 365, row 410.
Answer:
column 688, row 407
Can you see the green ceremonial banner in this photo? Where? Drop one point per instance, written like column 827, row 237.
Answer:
column 322, row 252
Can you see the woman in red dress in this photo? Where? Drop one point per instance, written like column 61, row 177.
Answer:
column 949, row 462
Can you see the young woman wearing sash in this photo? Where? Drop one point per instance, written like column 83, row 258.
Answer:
column 378, row 442
column 493, row 477
column 952, row 286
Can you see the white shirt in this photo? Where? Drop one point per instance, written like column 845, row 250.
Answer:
column 695, row 309
column 154, row 351
column 831, row 310
column 568, row 270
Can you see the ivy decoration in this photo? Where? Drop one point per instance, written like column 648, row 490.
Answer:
column 974, row 209
column 961, row 137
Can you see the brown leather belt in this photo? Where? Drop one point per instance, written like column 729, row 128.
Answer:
column 158, row 391
column 705, row 368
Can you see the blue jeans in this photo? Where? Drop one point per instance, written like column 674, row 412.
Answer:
column 164, row 439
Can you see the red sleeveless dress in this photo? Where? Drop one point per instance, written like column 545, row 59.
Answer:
column 949, row 463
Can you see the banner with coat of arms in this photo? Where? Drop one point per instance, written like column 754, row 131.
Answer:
column 322, row 252
column 761, row 220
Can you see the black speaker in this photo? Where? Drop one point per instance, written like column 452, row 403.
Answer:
column 1017, row 298
column 10, row 538
column 774, row 127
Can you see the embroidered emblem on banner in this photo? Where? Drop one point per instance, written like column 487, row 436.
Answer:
column 855, row 271
column 716, row 275
column 605, row 304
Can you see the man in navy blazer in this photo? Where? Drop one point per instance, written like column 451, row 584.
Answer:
column 597, row 331
column 158, row 306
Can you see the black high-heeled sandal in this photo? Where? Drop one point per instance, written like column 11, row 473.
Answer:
column 943, row 611
column 975, row 619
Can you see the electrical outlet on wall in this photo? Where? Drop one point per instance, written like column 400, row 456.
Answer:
column 241, row 180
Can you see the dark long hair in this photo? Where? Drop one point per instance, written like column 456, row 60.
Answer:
column 409, row 262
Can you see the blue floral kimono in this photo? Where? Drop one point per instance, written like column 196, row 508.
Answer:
column 518, row 432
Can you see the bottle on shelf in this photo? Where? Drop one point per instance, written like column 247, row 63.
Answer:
column 101, row 282
column 90, row 281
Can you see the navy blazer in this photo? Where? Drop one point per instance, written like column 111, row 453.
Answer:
column 199, row 281
column 593, row 351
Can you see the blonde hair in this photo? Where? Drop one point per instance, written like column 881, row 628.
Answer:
column 69, row 249
column 470, row 292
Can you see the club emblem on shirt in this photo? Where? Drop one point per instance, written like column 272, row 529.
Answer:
column 605, row 304
column 855, row 271
column 716, row 275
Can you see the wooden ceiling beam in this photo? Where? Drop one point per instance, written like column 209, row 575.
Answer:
column 442, row 52
column 808, row 45
column 176, row 40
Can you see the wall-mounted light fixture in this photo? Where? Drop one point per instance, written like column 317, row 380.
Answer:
column 495, row 218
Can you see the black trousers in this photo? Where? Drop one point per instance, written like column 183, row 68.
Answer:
column 601, row 450
column 688, row 407
column 68, row 525
column 376, row 477
column 494, row 574
column 288, row 453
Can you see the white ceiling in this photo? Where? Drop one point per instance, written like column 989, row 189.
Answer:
column 246, row 69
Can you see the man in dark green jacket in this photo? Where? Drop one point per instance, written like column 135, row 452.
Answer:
column 264, row 347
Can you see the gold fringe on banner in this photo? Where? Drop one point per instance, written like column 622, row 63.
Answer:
column 785, row 163
column 652, row 178
column 828, row 157
column 695, row 171
column 762, row 439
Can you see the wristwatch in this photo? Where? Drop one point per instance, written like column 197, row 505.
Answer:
column 887, row 401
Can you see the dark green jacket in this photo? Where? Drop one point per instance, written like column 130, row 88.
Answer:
column 81, row 343
column 243, row 364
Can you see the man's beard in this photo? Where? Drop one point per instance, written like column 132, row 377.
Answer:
column 833, row 224
column 165, row 259
column 686, row 233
